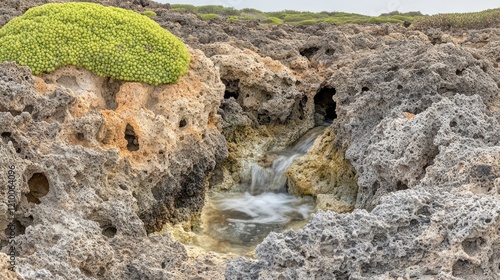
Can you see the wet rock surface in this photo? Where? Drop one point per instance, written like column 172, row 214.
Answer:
column 103, row 164
column 324, row 174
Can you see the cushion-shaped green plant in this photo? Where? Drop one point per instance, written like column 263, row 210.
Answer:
column 273, row 20
column 109, row 41
column 149, row 14
column 232, row 19
column 209, row 16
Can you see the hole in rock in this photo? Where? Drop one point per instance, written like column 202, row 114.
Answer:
column 237, row 220
column 375, row 187
column 182, row 123
column 400, row 186
column 39, row 187
column 459, row 72
column 302, row 104
column 8, row 137
column 400, row 87
column 424, row 211
column 157, row 192
column 264, row 118
column 232, row 89
column 110, row 87
column 80, row 136
column 467, row 270
column 330, row 52
column 309, row 52
column 473, row 245
column 15, row 228
column 413, row 223
column 28, row 108
column 109, row 231
column 325, row 106
column 132, row 139
column 365, row 89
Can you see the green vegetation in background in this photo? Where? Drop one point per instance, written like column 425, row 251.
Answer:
column 232, row 19
column 109, row 41
column 484, row 19
column 294, row 17
column 149, row 14
column 247, row 17
column 273, row 20
column 209, row 9
column 209, row 16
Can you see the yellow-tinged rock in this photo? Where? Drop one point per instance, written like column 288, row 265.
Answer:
column 325, row 174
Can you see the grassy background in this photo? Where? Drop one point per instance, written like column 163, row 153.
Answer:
column 488, row 18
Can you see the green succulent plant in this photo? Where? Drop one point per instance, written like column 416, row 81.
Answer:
column 232, row 19
column 111, row 42
column 149, row 14
column 273, row 20
column 209, row 16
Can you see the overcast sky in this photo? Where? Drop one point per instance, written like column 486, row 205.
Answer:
column 366, row 7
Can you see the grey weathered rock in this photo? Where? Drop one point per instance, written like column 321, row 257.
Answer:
column 101, row 162
column 447, row 95
column 94, row 176
column 411, row 234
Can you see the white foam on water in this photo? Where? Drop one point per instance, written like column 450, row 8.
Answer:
column 245, row 218
column 265, row 208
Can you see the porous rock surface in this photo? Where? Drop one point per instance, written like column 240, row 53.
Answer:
column 325, row 174
column 101, row 163
column 411, row 234
column 416, row 119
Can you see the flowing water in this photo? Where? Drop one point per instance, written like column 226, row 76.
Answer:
column 237, row 221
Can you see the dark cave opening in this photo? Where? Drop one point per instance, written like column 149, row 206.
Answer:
column 324, row 105
column 183, row 123
column 132, row 139
column 232, row 89
column 309, row 52
column 38, row 186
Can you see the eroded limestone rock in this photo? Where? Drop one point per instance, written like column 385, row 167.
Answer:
column 325, row 174
column 100, row 163
column 411, row 234
column 416, row 111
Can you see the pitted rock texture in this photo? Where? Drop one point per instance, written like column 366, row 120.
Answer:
column 402, row 106
column 411, row 234
column 325, row 174
column 7, row 274
column 101, row 163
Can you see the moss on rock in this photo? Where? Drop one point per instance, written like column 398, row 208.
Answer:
column 108, row 41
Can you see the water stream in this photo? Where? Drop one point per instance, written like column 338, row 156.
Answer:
column 237, row 221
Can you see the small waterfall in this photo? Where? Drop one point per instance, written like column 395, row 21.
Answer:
column 262, row 205
column 273, row 179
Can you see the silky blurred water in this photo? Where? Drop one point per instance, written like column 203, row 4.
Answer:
column 238, row 221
